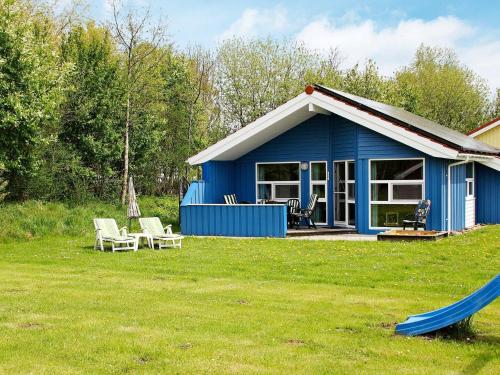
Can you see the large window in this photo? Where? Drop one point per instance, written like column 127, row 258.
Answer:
column 396, row 186
column 278, row 181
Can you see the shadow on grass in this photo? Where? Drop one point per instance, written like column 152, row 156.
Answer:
column 478, row 364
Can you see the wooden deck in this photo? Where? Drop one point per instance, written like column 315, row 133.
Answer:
column 321, row 231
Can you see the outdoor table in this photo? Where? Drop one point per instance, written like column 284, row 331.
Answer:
column 140, row 237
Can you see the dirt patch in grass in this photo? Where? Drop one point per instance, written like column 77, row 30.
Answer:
column 143, row 359
column 30, row 325
column 297, row 342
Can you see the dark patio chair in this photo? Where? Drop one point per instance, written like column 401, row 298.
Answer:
column 230, row 199
column 293, row 208
column 419, row 218
column 306, row 213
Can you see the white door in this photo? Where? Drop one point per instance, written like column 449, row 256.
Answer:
column 319, row 185
column 470, row 198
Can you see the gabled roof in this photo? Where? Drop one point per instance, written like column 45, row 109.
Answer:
column 485, row 127
column 396, row 123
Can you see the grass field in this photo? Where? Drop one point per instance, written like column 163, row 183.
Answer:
column 240, row 306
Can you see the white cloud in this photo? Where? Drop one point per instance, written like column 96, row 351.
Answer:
column 484, row 59
column 257, row 22
column 392, row 47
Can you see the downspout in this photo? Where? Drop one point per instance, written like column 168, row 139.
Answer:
column 449, row 188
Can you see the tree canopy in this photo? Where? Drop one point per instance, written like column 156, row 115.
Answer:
column 82, row 105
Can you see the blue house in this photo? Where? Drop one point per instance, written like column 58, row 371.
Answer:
column 369, row 163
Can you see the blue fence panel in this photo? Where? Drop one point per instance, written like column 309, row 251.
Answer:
column 234, row 220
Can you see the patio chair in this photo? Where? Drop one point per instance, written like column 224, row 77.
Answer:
column 419, row 218
column 106, row 230
column 230, row 199
column 152, row 226
column 293, row 208
column 306, row 213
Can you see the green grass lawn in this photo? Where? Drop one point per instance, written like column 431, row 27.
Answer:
column 241, row 306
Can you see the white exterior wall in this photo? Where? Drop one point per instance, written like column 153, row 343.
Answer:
column 470, row 212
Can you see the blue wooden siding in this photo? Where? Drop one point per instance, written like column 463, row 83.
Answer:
column 234, row 220
column 344, row 139
column 202, row 219
column 372, row 145
column 362, row 197
column 307, row 141
column 458, row 192
column 436, row 190
column 218, row 176
column 487, row 195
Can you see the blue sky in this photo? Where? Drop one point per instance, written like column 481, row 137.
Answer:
column 388, row 31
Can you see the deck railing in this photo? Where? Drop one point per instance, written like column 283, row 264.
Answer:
column 239, row 220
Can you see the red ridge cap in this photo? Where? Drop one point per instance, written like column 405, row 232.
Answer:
column 483, row 126
column 309, row 89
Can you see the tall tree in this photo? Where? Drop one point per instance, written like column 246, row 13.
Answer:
column 365, row 80
column 436, row 86
column 91, row 112
column 256, row 76
column 496, row 105
column 30, row 90
column 139, row 38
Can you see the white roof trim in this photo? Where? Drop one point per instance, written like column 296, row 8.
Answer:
column 283, row 118
column 493, row 163
column 251, row 129
column 475, row 133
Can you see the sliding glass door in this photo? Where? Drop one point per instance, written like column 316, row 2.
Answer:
column 344, row 187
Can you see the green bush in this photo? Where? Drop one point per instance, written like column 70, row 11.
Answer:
column 35, row 219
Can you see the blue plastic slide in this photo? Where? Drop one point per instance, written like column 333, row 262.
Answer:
column 437, row 319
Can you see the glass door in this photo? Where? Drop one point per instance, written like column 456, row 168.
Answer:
column 344, row 188
column 319, row 183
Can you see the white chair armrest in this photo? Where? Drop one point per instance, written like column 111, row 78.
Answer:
column 123, row 231
column 168, row 228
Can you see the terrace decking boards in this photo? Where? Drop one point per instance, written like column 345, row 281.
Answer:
column 321, row 231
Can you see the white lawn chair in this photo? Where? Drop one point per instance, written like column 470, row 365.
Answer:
column 152, row 226
column 106, row 230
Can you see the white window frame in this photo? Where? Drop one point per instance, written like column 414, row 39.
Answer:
column 390, row 200
column 320, row 182
column 468, row 194
column 274, row 183
column 347, row 199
